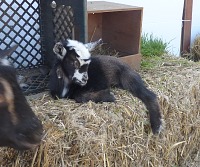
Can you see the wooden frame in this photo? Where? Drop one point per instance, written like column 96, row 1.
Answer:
column 186, row 28
column 119, row 26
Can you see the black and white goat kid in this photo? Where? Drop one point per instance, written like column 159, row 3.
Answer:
column 79, row 76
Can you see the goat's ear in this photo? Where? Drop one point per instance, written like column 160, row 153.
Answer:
column 93, row 45
column 8, row 52
column 59, row 50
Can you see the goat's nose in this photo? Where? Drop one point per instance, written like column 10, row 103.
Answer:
column 36, row 131
column 37, row 137
column 38, row 134
column 24, row 142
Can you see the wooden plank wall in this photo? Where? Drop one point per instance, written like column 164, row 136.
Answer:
column 186, row 26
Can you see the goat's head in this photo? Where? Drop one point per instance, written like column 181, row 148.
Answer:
column 19, row 126
column 75, row 59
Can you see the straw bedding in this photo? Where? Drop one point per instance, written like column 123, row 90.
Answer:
column 194, row 53
column 195, row 49
column 118, row 134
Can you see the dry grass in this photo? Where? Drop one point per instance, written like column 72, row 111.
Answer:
column 118, row 134
column 194, row 50
column 105, row 49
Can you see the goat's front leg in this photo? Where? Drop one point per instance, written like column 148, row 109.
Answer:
column 96, row 96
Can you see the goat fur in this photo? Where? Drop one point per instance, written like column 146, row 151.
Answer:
column 19, row 126
column 104, row 73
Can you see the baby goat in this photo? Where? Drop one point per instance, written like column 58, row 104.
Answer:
column 19, row 126
column 82, row 77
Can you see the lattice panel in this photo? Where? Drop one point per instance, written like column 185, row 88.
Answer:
column 35, row 25
column 35, row 81
column 63, row 22
column 19, row 24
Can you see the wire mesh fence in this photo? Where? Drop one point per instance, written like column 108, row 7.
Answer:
column 35, row 26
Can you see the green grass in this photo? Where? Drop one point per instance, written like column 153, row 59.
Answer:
column 152, row 50
column 150, row 62
column 153, row 46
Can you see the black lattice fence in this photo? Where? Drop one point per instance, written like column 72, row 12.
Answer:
column 63, row 21
column 20, row 24
column 35, row 26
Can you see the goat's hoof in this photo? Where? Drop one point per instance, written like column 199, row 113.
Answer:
column 112, row 97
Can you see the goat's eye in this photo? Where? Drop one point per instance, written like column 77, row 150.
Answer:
column 76, row 64
column 83, row 68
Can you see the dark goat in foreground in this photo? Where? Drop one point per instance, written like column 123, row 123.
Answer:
column 19, row 126
column 83, row 78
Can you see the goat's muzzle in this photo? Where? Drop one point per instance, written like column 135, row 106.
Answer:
column 29, row 137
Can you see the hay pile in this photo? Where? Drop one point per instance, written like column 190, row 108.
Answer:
column 194, row 54
column 118, row 134
column 195, row 50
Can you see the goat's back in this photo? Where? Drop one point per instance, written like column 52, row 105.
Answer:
column 106, row 71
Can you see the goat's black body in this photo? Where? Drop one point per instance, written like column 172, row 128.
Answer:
column 19, row 126
column 105, row 72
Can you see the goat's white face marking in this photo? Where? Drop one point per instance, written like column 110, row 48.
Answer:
column 83, row 58
column 80, row 78
column 79, row 48
column 81, row 74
